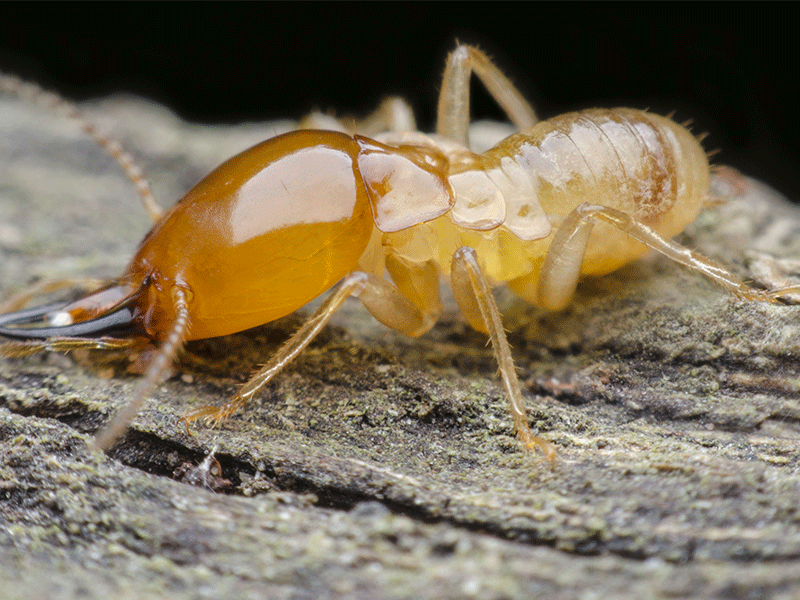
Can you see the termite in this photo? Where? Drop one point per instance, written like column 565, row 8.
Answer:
column 279, row 224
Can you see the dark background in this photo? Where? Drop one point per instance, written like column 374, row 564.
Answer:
column 733, row 69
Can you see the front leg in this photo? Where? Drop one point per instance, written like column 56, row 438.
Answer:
column 413, row 309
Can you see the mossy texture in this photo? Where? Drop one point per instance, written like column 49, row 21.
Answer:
column 379, row 466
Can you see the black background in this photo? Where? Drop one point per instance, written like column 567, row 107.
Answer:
column 733, row 69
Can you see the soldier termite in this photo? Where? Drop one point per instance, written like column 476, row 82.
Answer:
column 279, row 224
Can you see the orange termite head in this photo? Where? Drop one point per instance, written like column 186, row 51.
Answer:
column 276, row 226
column 266, row 232
column 260, row 236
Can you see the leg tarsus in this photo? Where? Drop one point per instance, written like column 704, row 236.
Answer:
column 537, row 445
column 776, row 294
column 214, row 415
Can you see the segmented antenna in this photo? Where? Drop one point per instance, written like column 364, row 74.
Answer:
column 114, row 429
column 31, row 92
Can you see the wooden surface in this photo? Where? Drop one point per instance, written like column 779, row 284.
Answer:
column 379, row 466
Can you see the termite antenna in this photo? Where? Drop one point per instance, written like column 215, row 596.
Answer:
column 106, row 437
column 35, row 94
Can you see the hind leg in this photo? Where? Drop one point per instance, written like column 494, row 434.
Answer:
column 562, row 265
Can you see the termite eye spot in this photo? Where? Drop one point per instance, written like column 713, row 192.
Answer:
column 59, row 319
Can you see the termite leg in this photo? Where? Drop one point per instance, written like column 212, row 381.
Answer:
column 474, row 297
column 392, row 114
column 411, row 308
column 562, row 264
column 453, row 111
column 412, row 315
column 20, row 348
column 353, row 284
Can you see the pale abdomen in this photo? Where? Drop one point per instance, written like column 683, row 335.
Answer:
column 638, row 162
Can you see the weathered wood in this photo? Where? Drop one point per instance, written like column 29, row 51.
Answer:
column 381, row 466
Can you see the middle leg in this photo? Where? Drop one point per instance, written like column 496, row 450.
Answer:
column 453, row 111
column 475, row 298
